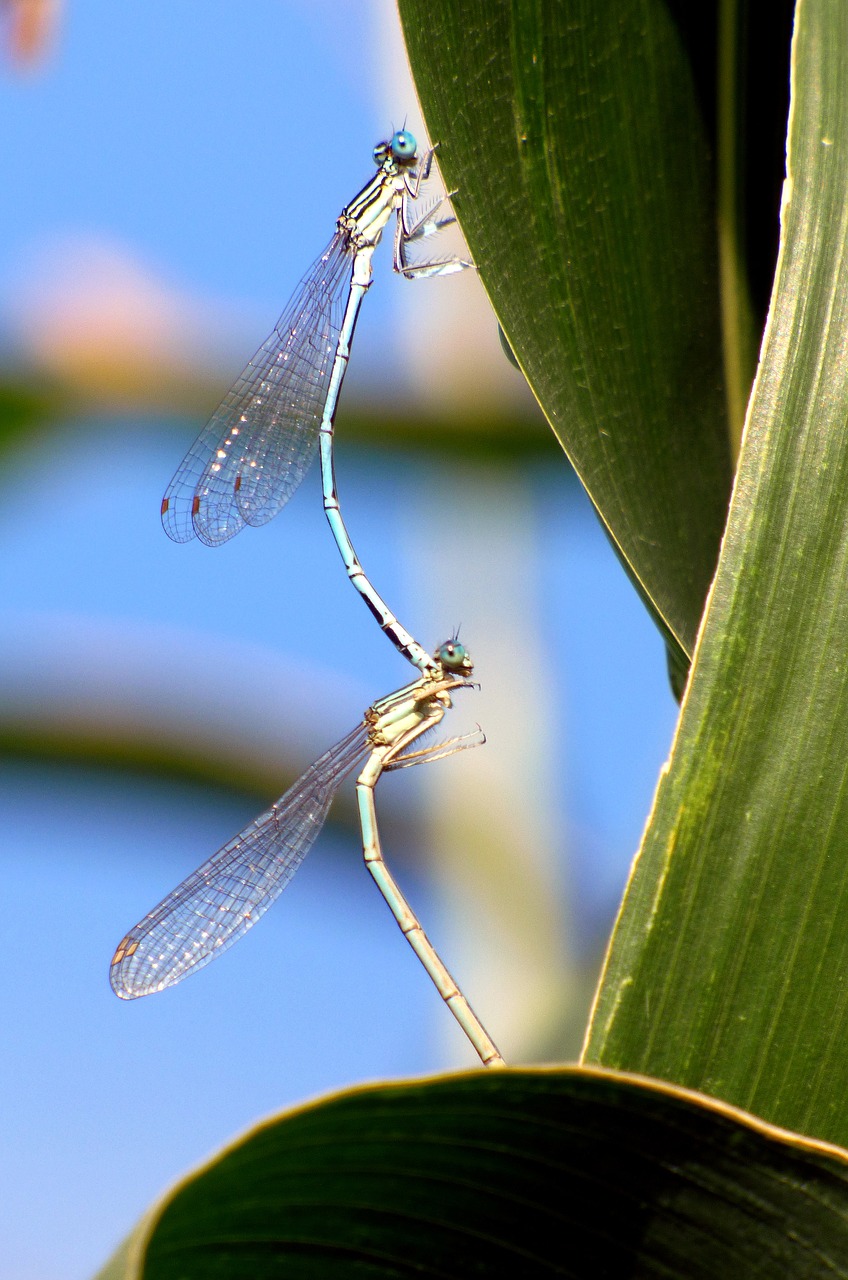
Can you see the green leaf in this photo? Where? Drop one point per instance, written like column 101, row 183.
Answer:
column 573, row 136
column 728, row 970
column 516, row 1173
column 740, row 329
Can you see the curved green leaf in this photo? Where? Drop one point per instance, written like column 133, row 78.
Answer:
column 728, row 968
column 573, row 136
column 515, row 1173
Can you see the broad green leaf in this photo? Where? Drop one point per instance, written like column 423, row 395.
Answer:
column 728, row 970
column 572, row 134
column 516, row 1173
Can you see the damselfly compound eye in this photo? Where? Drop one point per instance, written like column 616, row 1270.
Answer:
column 404, row 145
column 454, row 656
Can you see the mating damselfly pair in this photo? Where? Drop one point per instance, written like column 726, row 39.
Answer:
column 242, row 469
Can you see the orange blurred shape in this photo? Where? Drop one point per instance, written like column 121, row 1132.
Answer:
column 30, row 28
column 107, row 328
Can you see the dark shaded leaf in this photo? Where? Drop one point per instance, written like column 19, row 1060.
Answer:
column 529, row 1174
column 573, row 135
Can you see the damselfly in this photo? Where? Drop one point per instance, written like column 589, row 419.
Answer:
column 220, row 901
column 256, row 448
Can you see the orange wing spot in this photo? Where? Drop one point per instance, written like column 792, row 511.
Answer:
column 195, row 505
column 125, row 948
column 237, row 484
column 166, row 502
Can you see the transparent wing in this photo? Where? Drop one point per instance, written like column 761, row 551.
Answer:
column 258, row 445
column 220, row 901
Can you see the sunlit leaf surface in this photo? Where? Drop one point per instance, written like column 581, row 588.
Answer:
column 729, row 967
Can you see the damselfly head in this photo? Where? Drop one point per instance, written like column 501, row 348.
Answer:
column 402, row 148
column 454, row 657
